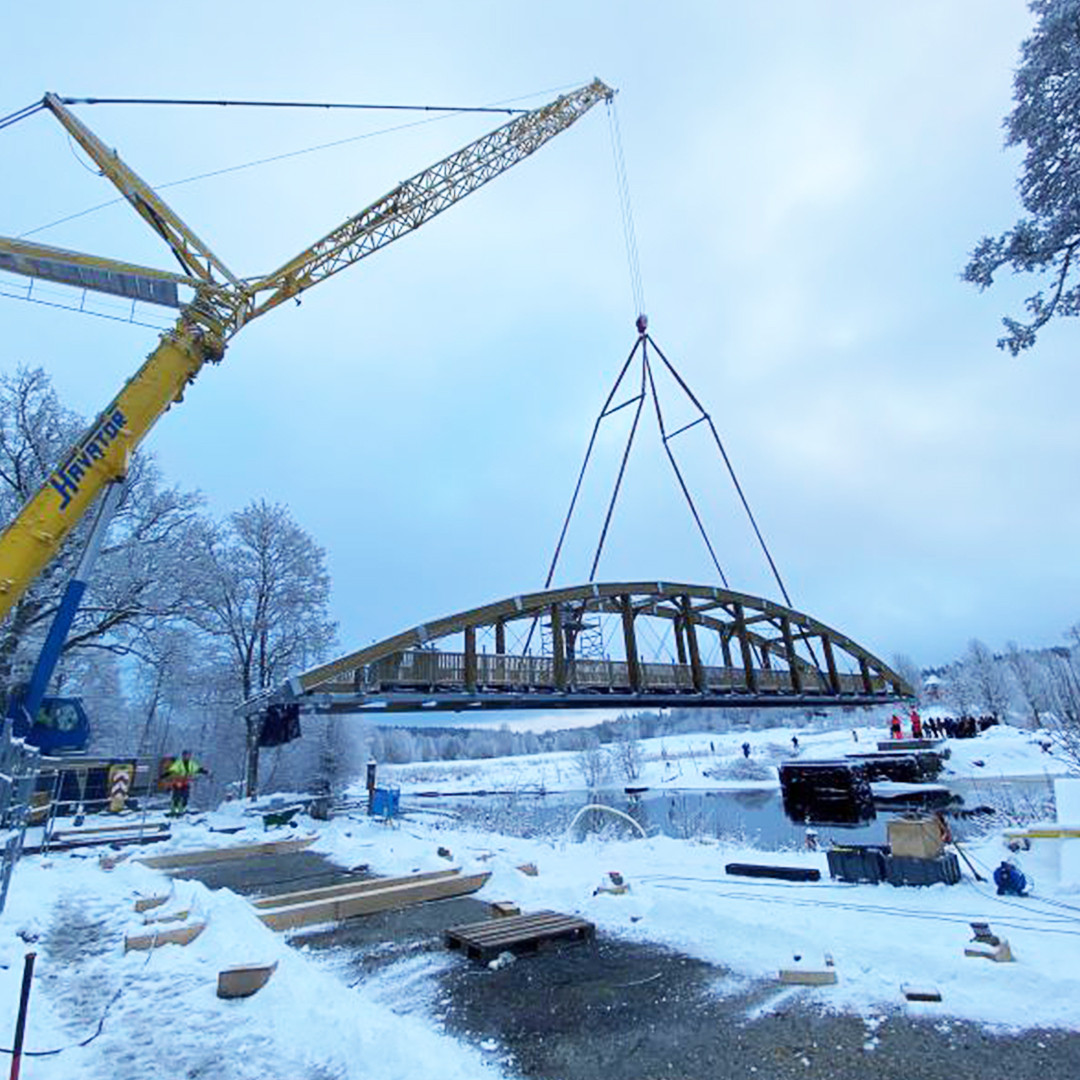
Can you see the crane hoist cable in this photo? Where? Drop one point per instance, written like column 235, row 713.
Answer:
column 626, row 209
column 648, row 388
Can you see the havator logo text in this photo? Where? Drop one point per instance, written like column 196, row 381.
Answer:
column 69, row 476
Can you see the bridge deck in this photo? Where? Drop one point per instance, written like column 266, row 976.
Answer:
column 428, row 680
column 419, row 669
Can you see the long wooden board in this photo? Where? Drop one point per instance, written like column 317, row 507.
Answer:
column 240, row 851
column 808, row 976
column 132, row 824
column 367, row 902
column 1051, row 832
column 98, row 841
column 147, row 903
column 514, row 933
column 346, row 888
column 182, row 935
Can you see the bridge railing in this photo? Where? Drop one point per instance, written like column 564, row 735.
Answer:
column 427, row 669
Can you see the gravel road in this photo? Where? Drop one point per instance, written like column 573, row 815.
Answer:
column 615, row 1010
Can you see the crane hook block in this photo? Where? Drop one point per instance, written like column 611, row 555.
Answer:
column 642, row 324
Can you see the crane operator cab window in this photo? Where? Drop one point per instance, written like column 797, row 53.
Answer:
column 60, row 727
column 59, row 715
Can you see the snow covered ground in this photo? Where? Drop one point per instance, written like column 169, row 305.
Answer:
column 162, row 1015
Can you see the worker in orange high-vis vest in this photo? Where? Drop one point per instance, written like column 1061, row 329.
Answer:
column 180, row 773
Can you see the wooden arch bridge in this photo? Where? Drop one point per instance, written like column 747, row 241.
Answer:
column 622, row 645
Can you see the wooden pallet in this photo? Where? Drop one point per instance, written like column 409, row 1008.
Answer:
column 516, row 933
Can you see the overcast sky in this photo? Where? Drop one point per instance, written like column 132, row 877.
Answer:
column 807, row 178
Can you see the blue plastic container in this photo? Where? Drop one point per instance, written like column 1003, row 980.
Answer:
column 384, row 802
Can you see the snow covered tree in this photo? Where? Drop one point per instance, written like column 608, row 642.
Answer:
column 592, row 760
column 265, row 596
column 150, row 560
column 182, row 697
column 1045, row 120
column 340, row 755
column 400, row 746
column 479, row 744
column 909, row 671
column 504, row 741
column 140, row 583
column 35, row 430
column 1063, row 695
column 1028, row 680
column 451, row 748
column 626, row 751
column 987, row 680
column 960, row 690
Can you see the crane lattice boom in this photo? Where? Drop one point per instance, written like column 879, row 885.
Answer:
column 223, row 303
column 427, row 194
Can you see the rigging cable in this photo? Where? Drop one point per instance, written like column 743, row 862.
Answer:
column 619, row 478
column 730, row 468
column 21, row 114
column 26, row 295
column 1048, row 924
column 29, row 110
column 622, row 183
column 629, row 236
column 639, row 303
column 664, row 438
column 604, row 412
column 235, row 168
column 89, row 168
column 289, row 104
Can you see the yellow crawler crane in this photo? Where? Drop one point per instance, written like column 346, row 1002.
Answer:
column 222, row 304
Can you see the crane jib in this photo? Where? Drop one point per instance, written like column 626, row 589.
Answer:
column 68, row 477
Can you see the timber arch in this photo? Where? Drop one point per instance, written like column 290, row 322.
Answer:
column 615, row 645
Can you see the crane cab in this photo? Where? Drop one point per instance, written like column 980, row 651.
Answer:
column 60, row 727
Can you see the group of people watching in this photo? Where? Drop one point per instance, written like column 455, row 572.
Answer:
column 941, row 727
column 967, row 727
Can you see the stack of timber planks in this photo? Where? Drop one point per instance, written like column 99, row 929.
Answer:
column 180, row 860
column 333, row 903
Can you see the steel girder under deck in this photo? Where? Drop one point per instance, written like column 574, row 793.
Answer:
column 724, row 649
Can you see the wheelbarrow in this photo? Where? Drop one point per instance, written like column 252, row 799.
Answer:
column 276, row 819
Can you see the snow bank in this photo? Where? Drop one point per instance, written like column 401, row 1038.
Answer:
column 162, row 1015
